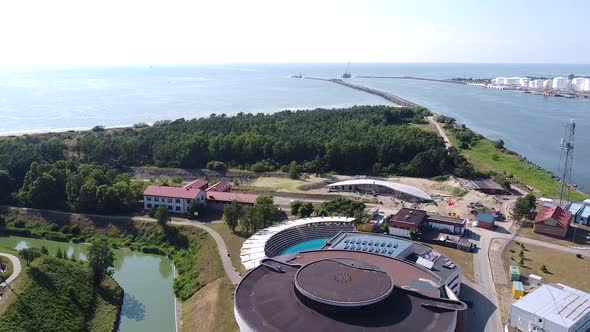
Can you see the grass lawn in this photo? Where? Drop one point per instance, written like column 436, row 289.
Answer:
column 562, row 267
column 582, row 236
column 485, row 157
column 233, row 243
column 211, row 308
column 425, row 126
column 281, row 184
column 9, row 267
column 462, row 258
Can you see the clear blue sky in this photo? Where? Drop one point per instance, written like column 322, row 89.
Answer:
column 62, row 32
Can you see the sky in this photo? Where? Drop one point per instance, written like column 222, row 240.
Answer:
column 63, row 32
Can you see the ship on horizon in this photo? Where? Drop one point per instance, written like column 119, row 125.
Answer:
column 347, row 73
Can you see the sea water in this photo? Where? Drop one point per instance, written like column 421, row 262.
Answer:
column 43, row 100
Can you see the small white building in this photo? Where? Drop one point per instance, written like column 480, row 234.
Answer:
column 560, row 83
column 552, row 307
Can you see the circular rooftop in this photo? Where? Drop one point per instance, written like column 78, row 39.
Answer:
column 343, row 282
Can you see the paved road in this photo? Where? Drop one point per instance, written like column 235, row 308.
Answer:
column 440, row 130
column 485, row 286
column 231, row 272
column 16, row 267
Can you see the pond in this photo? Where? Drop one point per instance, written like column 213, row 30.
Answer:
column 147, row 280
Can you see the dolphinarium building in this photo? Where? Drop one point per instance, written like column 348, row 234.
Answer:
column 351, row 281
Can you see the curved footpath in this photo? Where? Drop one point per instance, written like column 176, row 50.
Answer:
column 231, row 272
column 16, row 267
column 440, row 130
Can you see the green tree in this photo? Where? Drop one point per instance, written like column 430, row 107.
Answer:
column 162, row 215
column 59, row 253
column 305, row 210
column 28, row 254
column 6, row 186
column 236, row 182
column 44, row 250
column 101, row 260
column 231, row 215
column 176, row 180
column 295, row 205
column 523, row 207
column 293, row 170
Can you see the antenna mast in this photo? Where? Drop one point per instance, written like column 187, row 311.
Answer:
column 566, row 161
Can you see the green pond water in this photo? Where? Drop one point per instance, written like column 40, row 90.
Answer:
column 147, row 280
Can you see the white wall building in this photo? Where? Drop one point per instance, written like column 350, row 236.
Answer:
column 560, row 83
column 552, row 307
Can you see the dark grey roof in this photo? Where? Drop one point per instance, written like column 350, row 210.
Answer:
column 267, row 299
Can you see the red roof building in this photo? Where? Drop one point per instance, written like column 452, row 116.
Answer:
column 552, row 221
column 228, row 197
column 220, row 186
column 178, row 199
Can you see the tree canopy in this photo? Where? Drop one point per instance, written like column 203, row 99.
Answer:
column 101, row 260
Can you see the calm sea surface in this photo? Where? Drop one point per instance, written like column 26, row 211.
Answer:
column 51, row 100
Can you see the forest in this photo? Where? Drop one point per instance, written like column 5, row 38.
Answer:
column 377, row 140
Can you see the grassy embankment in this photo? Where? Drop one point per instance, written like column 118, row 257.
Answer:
column 486, row 157
column 57, row 295
column 194, row 252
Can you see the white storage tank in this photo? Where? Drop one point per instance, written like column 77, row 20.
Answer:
column 524, row 81
column 560, row 83
column 587, row 84
column 548, row 83
column 500, row 80
column 578, row 83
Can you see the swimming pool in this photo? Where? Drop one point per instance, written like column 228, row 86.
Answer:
column 305, row 245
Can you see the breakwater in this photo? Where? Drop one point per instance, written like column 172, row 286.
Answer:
column 385, row 95
column 417, row 79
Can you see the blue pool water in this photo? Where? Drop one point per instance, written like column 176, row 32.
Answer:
column 305, row 245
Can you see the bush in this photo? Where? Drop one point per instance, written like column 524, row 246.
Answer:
column 578, row 255
column 440, row 178
column 153, row 250
column 217, row 166
column 176, row 180
column 57, row 236
column 18, row 231
column 98, row 129
column 140, row 125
